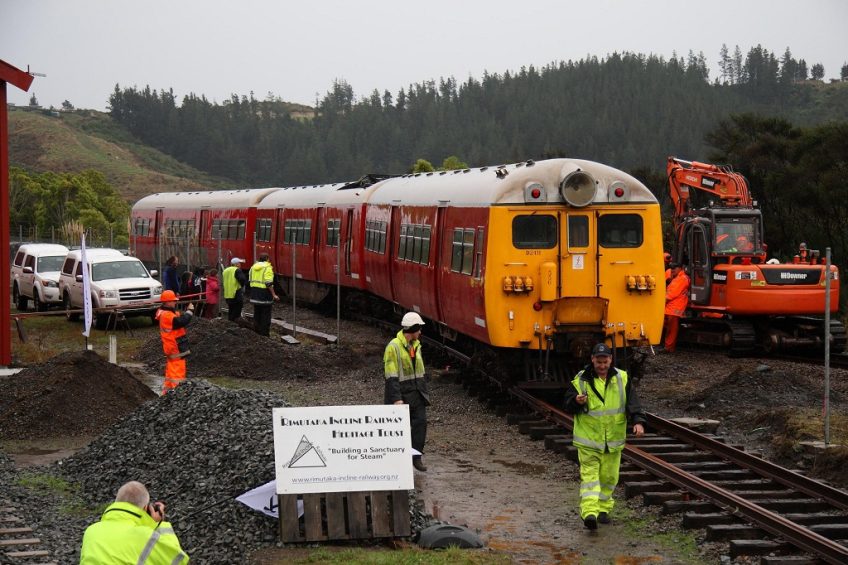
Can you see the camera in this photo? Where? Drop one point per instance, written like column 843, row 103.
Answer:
column 155, row 506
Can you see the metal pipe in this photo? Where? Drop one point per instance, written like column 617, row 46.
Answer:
column 338, row 292
column 827, row 347
column 294, row 286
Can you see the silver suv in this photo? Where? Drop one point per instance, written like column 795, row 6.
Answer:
column 115, row 281
column 35, row 275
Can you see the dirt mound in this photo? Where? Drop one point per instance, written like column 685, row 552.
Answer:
column 73, row 394
column 764, row 386
column 222, row 348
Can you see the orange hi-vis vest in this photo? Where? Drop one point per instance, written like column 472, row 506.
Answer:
column 171, row 341
column 677, row 295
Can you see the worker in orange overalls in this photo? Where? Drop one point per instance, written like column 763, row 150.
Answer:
column 676, row 302
column 174, row 341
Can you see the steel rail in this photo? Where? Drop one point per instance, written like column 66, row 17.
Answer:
column 775, row 524
column 797, row 535
column 832, row 496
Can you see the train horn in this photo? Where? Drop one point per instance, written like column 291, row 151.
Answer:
column 578, row 188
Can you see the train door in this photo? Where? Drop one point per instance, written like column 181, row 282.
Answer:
column 697, row 258
column 315, row 244
column 348, row 243
column 203, row 252
column 579, row 255
column 158, row 234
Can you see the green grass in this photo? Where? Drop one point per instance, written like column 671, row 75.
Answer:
column 92, row 140
column 49, row 334
column 44, row 483
column 683, row 545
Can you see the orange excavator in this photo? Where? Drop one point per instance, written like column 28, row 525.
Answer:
column 739, row 300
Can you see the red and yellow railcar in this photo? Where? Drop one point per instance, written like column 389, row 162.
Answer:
column 546, row 257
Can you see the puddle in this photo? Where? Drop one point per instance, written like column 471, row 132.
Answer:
column 525, row 468
column 139, row 371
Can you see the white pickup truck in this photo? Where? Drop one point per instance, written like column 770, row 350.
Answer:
column 35, row 275
column 115, row 281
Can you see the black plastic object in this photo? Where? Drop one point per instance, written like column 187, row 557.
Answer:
column 442, row 536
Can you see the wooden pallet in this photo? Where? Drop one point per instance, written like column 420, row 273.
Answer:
column 344, row 516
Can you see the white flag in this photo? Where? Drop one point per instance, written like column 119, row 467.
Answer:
column 86, row 289
column 264, row 499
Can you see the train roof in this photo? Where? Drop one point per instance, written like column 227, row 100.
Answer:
column 242, row 198
column 308, row 196
column 504, row 184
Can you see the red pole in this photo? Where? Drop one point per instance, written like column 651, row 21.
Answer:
column 22, row 80
column 5, row 298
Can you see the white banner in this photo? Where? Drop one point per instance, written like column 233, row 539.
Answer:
column 264, row 499
column 86, row 289
column 342, row 448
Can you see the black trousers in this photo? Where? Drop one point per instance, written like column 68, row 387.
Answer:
column 234, row 308
column 262, row 318
column 417, row 419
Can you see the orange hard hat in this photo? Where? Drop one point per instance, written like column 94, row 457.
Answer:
column 168, row 296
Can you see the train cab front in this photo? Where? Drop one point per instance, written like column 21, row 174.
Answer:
column 581, row 268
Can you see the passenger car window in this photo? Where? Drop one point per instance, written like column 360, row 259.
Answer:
column 19, row 258
column 68, row 267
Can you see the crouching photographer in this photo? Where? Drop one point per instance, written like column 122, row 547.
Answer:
column 129, row 530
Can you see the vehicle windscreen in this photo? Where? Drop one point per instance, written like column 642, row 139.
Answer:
column 50, row 263
column 118, row 270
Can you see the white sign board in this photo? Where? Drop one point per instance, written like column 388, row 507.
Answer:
column 342, row 449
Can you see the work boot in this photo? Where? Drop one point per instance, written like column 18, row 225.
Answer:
column 418, row 463
column 603, row 518
column 590, row 522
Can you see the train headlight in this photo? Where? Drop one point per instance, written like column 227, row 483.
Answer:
column 507, row 284
column 630, row 281
column 518, row 285
column 528, row 284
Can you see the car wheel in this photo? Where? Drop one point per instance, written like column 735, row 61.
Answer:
column 37, row 304
column 20, row 300
column 66, row 301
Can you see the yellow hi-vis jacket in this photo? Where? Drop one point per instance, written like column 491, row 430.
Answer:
column 261, row 277
column 602, row 424
column 126, row 534
column 404, row 369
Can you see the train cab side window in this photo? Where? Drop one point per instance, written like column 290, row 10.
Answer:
column 462, row 251
column 478, row 254
column 620, row 230
column 537, row 231
column 578, row 231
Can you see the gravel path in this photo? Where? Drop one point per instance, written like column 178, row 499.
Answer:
column 202, row 445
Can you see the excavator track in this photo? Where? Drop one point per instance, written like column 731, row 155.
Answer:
column 734, row 336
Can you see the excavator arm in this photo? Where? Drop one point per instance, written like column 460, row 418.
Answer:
column 731, row 188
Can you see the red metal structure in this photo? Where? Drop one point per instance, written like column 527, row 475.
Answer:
column 22, row 80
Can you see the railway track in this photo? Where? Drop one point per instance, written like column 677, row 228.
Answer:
column 757, row 507
column 18, row 543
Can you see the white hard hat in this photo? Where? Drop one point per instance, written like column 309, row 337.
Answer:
column 236, row 261
column 411, row 319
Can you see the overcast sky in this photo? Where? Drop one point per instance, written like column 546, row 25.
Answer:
column 296, row 49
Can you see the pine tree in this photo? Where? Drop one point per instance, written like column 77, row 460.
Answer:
column 817, row 72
